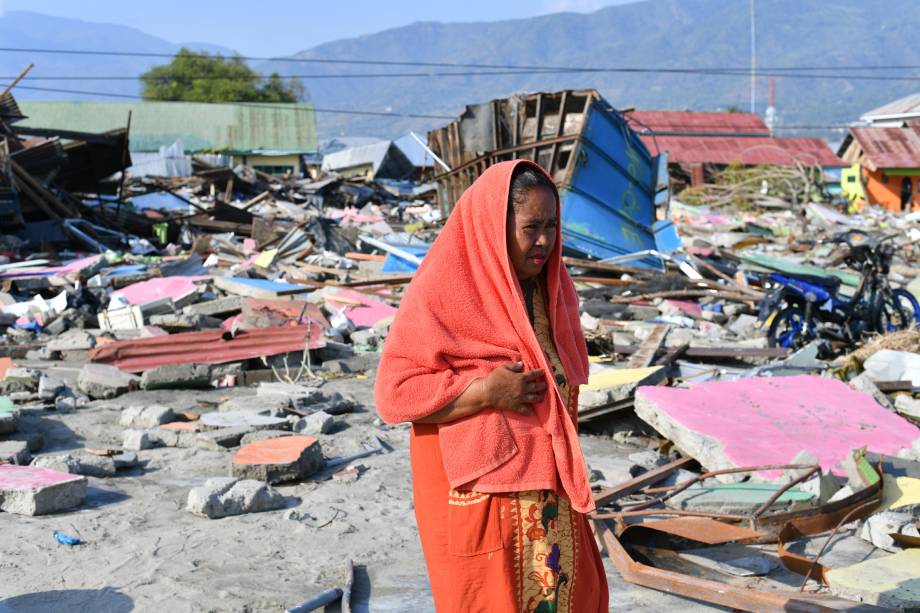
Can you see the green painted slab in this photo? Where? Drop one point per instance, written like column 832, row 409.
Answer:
column 739, row 498
column 6, row 405
column 792, row 268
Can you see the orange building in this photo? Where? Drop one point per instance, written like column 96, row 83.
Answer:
column 889, row 159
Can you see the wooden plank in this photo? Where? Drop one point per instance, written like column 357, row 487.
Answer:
column 642, row 481
column 646, row 352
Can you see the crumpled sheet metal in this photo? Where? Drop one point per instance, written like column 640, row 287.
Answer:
column 207, row 347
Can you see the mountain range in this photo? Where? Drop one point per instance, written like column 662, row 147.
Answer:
column 683, row 35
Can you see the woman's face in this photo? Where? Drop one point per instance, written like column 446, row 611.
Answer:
column 531, row 232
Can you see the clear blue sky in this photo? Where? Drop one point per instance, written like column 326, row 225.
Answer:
column 282, row 27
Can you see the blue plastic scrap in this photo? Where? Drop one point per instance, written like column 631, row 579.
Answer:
column 65, row 539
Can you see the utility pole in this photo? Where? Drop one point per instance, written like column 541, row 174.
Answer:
column 753, row 58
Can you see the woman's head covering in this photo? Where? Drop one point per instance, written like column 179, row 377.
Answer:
column 462, row 316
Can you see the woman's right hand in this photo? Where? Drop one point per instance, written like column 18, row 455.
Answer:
column 509, row 387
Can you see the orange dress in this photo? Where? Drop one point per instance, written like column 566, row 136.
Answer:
column 518, row 552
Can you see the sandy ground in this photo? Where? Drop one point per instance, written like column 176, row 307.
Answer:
column 144, row 552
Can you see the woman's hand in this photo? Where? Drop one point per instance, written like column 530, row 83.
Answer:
column 509, row 387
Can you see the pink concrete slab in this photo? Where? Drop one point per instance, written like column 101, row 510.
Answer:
column 53, row 271
column 693, row 309
column 152, row 290
column 768, row 420
column 368, row 313
column 180, row 425
column 31, row 477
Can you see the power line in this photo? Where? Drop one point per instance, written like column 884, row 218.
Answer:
column 743, row 70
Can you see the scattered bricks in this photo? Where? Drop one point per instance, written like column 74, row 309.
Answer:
column 275, row 460
column 238, row 419
column 225, row 496
column 137, row 440
column 127, row 459
column 146, row 417
column 72, row 340
column 88, row 465
column 877, row 529
column 263, row 435
column 20, row 380
column 101, row 381
column 315, row 423
column 9, row 416
column 50, row 387
column 223, row 438
column 178, row 376
column 31, row 490
column 14, row 452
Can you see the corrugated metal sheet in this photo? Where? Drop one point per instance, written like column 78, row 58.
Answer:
column 906, row 107
column 888, row 147
column 239, row 128
column 206, row 347
column 689, row 122
column 746, row 150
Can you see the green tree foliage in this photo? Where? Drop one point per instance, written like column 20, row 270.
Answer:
column 201, row 77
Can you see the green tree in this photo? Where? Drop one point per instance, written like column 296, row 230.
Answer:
column 201, row 77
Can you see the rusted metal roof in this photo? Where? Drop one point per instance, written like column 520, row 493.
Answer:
column 888, row 147
column 690, row 122
column 745, row 150
column 207, row 347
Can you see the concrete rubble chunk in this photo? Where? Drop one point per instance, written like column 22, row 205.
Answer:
column 907, row 406
column 276, row 460
column 238, row 419
column 137, row 440
column 101, row 381
column 20, row 380
column 877, row 529
column 177, row 376
column 15, row 452
column 275, row 406
column 72, row 340
column 86, row 464
column 146, row 416
column 125, row 459
column 50, row 387
column 226, row 496
column 864, row 383
column 175, row 434
column 32, row 490
column 315, row 423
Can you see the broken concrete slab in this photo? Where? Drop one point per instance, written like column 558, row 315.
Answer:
column 238, row 419
column 264, row 435
column 226, row 496
column 14, row 452
column 101, row 381
column 215, row 308
column 141, row 417
column 739, row 498
column 126, row 459
column 315, row 423
column 177, row 376
column 275, row 406
column 31, row 490
column 908, row 406
column 20, row 380
column 86, row 464
column 891, row 581
column 222, row 438
column 275, row 460
column 759, row 421
column 176, row 434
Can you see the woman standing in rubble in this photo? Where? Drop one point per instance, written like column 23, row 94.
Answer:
column 485, row 358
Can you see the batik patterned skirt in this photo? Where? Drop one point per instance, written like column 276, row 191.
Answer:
column 519, row 552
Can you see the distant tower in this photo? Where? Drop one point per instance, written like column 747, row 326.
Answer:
column 753, row 58
column 770, row 115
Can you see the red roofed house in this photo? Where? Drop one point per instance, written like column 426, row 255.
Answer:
column 699, row 143
column 888, row 160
